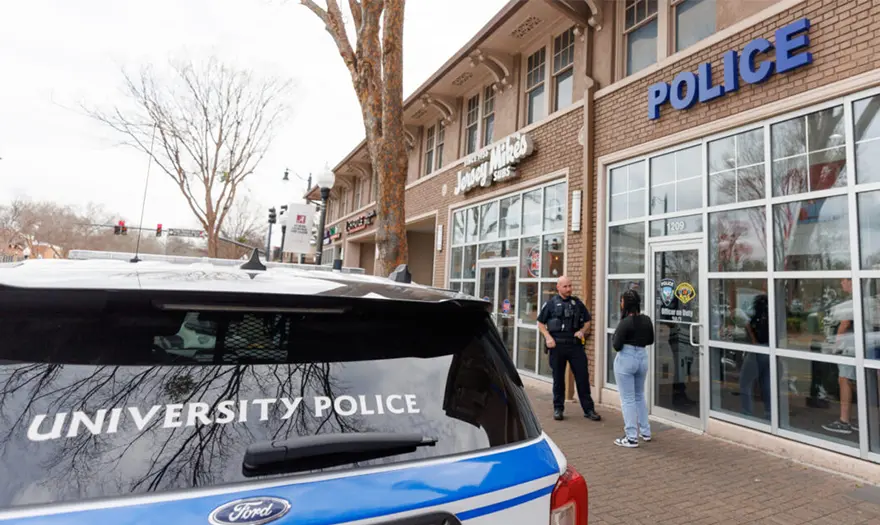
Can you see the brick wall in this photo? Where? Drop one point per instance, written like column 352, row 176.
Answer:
column 842, row 40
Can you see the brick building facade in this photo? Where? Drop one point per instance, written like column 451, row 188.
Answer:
column 755, row 190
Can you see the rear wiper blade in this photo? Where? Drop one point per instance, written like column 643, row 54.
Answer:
column 285, row 456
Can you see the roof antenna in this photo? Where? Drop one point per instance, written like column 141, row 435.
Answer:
column 144, row 203
column 254, row 262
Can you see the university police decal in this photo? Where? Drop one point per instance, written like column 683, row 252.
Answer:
column 250, row 511
column 666, row 291
column 685, row 292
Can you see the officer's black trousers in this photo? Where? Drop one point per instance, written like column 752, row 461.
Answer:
column 574, row 355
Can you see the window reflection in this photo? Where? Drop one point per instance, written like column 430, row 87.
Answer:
column 493, row 250
column 738, row 240
column 808, row 152
column 676, row 181
column 554, row 206
column 869, row 229
column 616, row 288
column 458, row 227
column 736, row 168
column 456, row 263
column 818, row 399
column 527, row 343
column 815, row 315
column 739, row 312
column 469, row 269
column 872, row 384
column 489, row 224
column 741, row 384
column 812, row 235
column 530, row 258
column 529, row 305
column 473, row 221
column 626, row 248
column 531, row 210
column 553, row 256
column 871, row 317
column 627, row 185
column 866, row 125
column 609, row 360
column 511, row 211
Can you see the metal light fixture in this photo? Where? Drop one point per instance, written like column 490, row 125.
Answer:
column 325, row 180
column 286, row 175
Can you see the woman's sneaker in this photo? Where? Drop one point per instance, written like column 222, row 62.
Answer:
column 626, row 442
column 645, row 438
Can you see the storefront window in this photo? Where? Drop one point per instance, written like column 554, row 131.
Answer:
column 738, row 240
column 553, row 256
column 812, row 235
column 676, row 182
column 511, row 213
column 736, row 168
column 458, row 227
column 815, row 315
column 626, row 248
column 819, row 400
column 521, row 235
column 616, row 288
column 869, row 229
column 532, row 212
column 489, row 225
column 739, row 311
column 780, row 296
column 871, row 317
column 866, row 124
column 627, row 188
column 554, row 206
column 741, row 384
column 809, row 153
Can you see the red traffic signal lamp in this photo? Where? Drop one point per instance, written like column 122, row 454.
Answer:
column 123, row 229
column 159, row 230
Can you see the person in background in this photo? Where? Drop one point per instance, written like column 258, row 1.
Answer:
column 564, row 321
column 634, row 332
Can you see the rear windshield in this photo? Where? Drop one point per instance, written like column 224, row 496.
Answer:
column 110, row 394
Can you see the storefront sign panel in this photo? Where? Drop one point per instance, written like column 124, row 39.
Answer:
column 687, row 87
column 495, row 164
column 298, row 236
column 361, row 223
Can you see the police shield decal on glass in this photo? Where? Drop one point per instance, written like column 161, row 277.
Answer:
column 251, row 511
column 685, row 292
column 667, row 286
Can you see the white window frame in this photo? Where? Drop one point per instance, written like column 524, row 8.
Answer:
column 563, row 69
column 851, row 191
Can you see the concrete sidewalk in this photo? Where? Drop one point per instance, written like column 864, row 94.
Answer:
column 684, row 478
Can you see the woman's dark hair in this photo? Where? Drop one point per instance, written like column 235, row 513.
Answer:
column 631, row 302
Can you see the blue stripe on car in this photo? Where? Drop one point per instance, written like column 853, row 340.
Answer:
column 351, row 498
column 504, row 505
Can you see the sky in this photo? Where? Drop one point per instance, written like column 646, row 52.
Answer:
column 57, row 56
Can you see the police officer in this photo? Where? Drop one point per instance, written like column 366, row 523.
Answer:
column 564, row 322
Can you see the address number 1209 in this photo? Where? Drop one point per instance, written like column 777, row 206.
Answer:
column 677, row 226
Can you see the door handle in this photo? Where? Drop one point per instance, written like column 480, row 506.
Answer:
column 691, row 334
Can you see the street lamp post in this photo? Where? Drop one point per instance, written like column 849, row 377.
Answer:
column 325, row 181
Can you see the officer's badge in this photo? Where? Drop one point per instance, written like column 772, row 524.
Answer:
column 685, row 292
column 667, row 287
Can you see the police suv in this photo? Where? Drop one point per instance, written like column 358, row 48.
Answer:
column 192, row 391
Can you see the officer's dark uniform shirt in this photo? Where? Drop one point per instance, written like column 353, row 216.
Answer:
column 564, row 317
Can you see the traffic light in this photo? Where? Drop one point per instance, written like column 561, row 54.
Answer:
column 272, row 217
column 123, row 228
column 159, row 230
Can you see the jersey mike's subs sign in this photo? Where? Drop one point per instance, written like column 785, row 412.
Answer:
column 494, row 164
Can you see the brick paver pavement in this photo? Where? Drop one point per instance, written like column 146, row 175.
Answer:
column 684, row 478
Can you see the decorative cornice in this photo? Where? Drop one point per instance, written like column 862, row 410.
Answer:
column 445, row 106
column 409, row 133
column 498, row 63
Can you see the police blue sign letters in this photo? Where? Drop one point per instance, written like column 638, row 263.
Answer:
column 687, row 87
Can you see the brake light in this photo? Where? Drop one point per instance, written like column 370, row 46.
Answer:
column 568, row 503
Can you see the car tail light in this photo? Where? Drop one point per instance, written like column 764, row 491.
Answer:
column 568, row 503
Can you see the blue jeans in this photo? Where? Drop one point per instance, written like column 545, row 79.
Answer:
column 630, row 371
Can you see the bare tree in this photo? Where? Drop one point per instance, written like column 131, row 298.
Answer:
column 244, row 224
column 376, row 68
column 211, row 124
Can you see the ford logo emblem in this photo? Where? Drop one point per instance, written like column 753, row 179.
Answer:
column 250, row 511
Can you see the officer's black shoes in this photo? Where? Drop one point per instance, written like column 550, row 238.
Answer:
column 557, row 415
column 593, row 415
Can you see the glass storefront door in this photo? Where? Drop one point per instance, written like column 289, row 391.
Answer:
column 677, row 392
column 497, row 285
